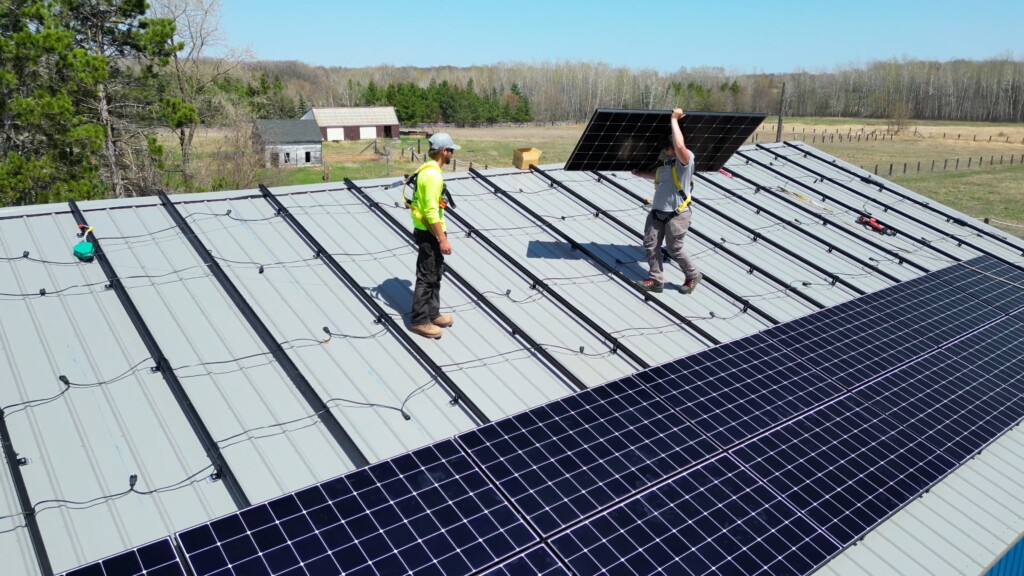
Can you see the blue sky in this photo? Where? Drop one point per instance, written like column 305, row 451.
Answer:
column 738, row 35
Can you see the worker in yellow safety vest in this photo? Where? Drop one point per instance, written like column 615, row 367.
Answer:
column 669, row 217
column 427, row 208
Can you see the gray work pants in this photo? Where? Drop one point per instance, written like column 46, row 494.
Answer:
column 670, row 232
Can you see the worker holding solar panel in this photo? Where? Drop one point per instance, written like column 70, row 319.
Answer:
column 669, row 216
column 427, row 208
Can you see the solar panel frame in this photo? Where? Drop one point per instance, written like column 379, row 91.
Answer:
column 738, row 389
column 569, row 458
column 622, row 140
column 861, row 339
column 715, row 518
column 429, row 511
column 845, row 465
column 963, row 397
column 157, row 558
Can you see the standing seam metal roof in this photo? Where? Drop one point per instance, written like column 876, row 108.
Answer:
column 275, row 442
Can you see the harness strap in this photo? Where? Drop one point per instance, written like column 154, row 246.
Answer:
column 686, row 195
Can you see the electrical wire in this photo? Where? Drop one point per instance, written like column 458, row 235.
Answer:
column 44, row 292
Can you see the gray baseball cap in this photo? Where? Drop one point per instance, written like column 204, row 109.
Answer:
column 442, row 140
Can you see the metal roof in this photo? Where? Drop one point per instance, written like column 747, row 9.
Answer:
column 237, row 298
column 288, row 131
column 354, row 116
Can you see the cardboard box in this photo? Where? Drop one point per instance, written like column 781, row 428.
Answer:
column 525, row 157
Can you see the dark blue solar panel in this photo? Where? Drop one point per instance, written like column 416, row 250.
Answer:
column 738, row 389
column 963, row 397
column 153, row 559
column 864, row 338
column 845, row 465
column 429, row 511
column 566, row 459
column 999, row 285
column 714, row 519
column 539, row 561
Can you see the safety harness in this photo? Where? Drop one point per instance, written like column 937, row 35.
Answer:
column 685, row 195
column 445, row 200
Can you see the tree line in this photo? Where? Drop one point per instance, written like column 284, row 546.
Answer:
column 104, row 98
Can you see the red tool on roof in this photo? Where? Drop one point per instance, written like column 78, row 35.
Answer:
column 872, row 224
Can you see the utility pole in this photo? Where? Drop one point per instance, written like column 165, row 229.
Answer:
column 782, row 102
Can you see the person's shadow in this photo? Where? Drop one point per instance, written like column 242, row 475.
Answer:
column 395, row 294
column 625, row 258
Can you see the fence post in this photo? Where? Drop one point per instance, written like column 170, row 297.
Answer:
column 471, row 165
column 918, row 166
column 876, row 169
column 933, row 166
column 904, row 168
column 969, row 160
column 944, row 161
column 418, row 142
column 991, row 160
column 890, row 169
column 957, row 164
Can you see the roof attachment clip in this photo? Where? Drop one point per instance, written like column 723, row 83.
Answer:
column 454, row 400
column 25, row 253
column 834, row 280
column 215, row 476
column 42, row 291
column 379, row 319
column 317, row 253
column 157, row 366
column 23, row 461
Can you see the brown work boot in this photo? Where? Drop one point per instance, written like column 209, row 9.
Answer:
column 651, row 285
column 690, row 285
column 426, row 330
column 444, row 321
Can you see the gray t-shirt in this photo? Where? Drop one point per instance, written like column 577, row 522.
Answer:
column 666, row 196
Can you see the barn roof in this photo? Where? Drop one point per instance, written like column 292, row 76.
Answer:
column 233, row 336
column 354, row 116
column 288, row 131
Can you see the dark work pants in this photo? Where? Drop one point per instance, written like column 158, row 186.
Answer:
column 426, row 301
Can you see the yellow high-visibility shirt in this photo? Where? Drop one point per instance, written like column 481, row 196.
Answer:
column 426, row 202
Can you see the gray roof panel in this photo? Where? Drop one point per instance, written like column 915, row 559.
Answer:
column 130, row 425
column 239, row 392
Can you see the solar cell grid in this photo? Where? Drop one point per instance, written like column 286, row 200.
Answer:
column 539, row 561
column 999, row 285
column 963, row 397
column 569, row 458
column 714, row 519
column 734, row 391
column 425, row 512
column 153, row 559
column 845, row 465
column 628, row 139
column 861, row 339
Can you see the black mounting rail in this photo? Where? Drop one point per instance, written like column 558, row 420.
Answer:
column 883, row 186
column 298, row 379
column 831, row 247
column 162, row 365
column 923, row 242
column 381, row 316
column 35, row 536
column 514, row 328
column 747, row 304
column 900, row 258
column 594, row 258
column 538, row 283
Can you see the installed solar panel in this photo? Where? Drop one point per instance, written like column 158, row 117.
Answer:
column 425, row 512
column 999, row 285
column 963, row 397
column 633, row 139
column 569, row 458
column 153, row 559
column 863, row 338
column 714, row 519
column 539, row 561
column 733, row 391
column 845, row 465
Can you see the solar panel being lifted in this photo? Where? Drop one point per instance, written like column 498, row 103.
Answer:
column 622, row 140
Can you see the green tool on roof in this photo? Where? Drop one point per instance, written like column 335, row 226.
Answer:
column 84, row 250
